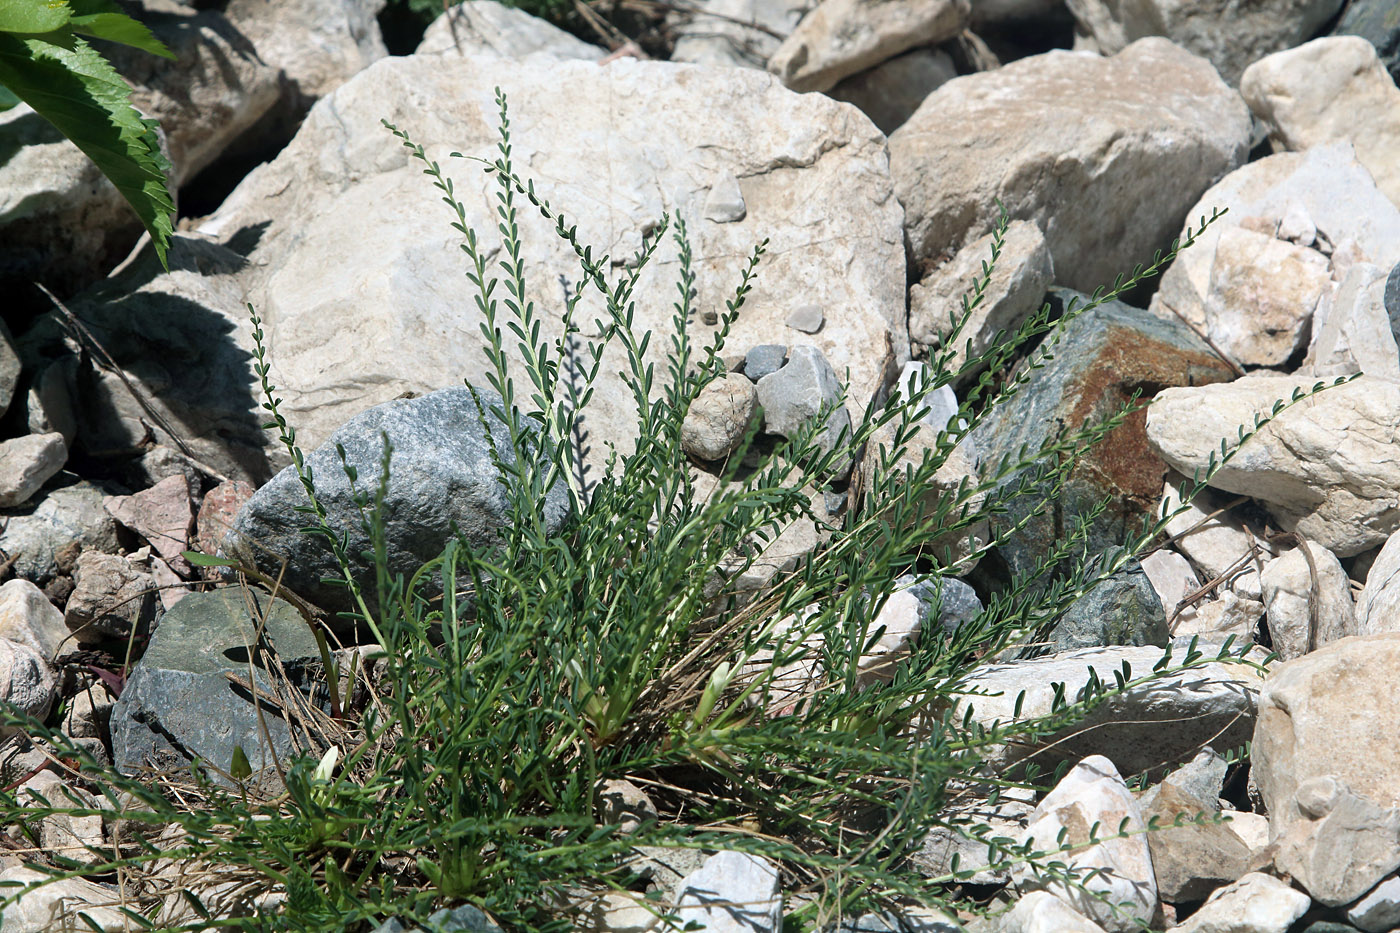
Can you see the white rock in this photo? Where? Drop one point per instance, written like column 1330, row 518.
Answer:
column 719, row 417
column 1329, row 184
column 1327, row 467
column 317, row 44
column 1005, row 819
column 1351, row 329
column 1092, row 799
column 890, row 92
column 1042, row 912
column 844, row 37
column 620, row 912
column 1263, row 292
column 1329, row 90
column 1257, row 903
column 56, row 906
column 478, row 26
column 27, row 463
column 1230, row 38
column 1379, row 910
column 733, row 892
column 1153, row 725
column 68, row 835
column 27, row 683
column 942, row 404
column 1015, row 291
column 1333, row 791
column 1253, row 830
column 735, row 33
column 1378, row 608
column 1129, row 141
column 1221, row 618
column 1303, row 617
column 1218, row 545
column 365, row 297
column 1171, row 577
column 27, row 617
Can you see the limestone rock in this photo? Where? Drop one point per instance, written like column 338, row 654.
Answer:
column 1379, row 910
column 1042, row 912
column 1193, row 859
column 1352, row 330
column 1230, row 39
column 1016, row 290
column 1333, row 89
column 111, row 598
column 1324, row 467
column 1257, row 903
column 46, row 535
column 1330, row 186
column 57, row 905
column 1374, row 21
column 360, row 305
column 9, row 368
column 478, row 26
column 1303, row 617
column 1103, row 154
column 844, row 37
column 27, row 463
column 1218, row 544
column 1093, row 794
column 162, row 514
column 1330, row 788
column 1263, row 292
column 27, row 683
column 28, row 618
column 732, row 878
column 735, row 33
column 1378, row 608
column 1151, row 726
column 797, row 393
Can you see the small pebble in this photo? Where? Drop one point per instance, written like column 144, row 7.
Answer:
column 808, row 319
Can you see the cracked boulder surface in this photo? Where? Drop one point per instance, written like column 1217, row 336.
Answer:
column 352, row 264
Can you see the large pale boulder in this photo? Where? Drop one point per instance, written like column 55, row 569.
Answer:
column 485, row 26
column 1230, row 37
column 1104, row 154
column 1378, row 607
column 1352, row 330
column 841, row 38
column 1332, row 787
column 356, row 273
column 1326, row 185
column 735, row 33
column 316, row 44
column 1327, row 467
column 1333, row 89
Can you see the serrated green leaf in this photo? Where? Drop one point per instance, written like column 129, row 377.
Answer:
column 32, row 17
column 115, row 26
column 69, row 84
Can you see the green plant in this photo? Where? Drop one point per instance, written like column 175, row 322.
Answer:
column 615, row 647
column 46, row 62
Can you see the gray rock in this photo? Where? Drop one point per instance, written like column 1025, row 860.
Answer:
column 798, row 392
column 45, row 536
column 890, row 92
column 733, row 892
column 50, row 400
column 9, row 368
column 27, row 463
column 1392, row 300
column 725, row 202
column 464, row 919
column 110, row 599
column 1193, row 859
column 178, row 705
column 764, row 360
column 1375, row 21
column 1103, row 356
column 808, row 319
column 1379, row 910
column 956, row 601
column 441, row 476
column 1203, row 777
column 1122, row 610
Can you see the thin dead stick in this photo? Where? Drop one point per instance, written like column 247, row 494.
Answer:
column 110, row 365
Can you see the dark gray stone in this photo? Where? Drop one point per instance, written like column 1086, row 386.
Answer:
column 179, row 705
column 1122, row 610
column 1392, row 291
column 45, row 535
column 763, row 360
column 958, row 605
column 1378, row 22
column 9, row 368
column 1103, row 356
column 464, row 919
column 441, row 478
